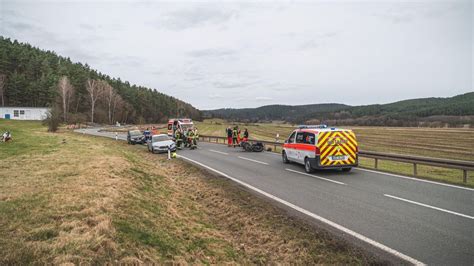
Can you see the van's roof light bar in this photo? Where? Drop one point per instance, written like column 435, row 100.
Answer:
column 312, row 126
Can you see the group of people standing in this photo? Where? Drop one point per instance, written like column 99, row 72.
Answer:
column 188, row 138
column 234, row 138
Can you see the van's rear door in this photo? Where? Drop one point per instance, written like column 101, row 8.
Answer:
column 337, row 147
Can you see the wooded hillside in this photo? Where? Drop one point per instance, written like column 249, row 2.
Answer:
column 273, row 112
column 36, row 78
column 432, row 112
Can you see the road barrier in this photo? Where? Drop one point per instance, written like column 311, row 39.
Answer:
column 464, row 166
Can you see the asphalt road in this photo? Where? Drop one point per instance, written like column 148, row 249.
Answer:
column 415, row 220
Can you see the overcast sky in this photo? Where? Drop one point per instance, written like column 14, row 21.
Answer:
column 245, row 54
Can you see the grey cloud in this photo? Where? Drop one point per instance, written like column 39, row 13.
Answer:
column 319, row 40
column 157, row 72
column 196, row 16
column 230, row 85
column 78, row 54
column 215, row 96
column 409, row 12
column 216, row 52
column 20, row 26
column 194, row 78
column 263, row 99
column 87, row 26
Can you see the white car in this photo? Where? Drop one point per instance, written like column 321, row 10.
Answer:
column 161, row 143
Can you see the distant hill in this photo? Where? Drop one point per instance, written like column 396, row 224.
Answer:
column 451, row 111
column 273, row 112
column 32, row 77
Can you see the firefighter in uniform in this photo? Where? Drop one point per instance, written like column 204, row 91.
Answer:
column 235, row 132
column 179, row 139
column 194, row 139
column 190, row 138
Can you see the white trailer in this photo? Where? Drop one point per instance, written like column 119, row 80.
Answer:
column 23, row 113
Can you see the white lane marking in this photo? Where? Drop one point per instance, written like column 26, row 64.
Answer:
column 315, row 216
column 252, row 160
column 315, row 176
column 415, row 179
column 429, row 206
column 225, row 153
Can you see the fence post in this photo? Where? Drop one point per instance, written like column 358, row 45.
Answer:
column 464, row 176
column 415, row 172
column 376, row 163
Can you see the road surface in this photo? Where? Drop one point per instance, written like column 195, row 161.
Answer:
column 418, row 221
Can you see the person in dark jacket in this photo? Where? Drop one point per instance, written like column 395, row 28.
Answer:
column 229, row 136
column 246, row 135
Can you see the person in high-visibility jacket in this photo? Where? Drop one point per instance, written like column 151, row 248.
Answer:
column 179, row 139
column 191, row 139
column 195, row 138
column 235, row 132
column 238, row 136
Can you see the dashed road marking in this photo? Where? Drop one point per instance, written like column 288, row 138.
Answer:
column 252, row 160
column 220, row 152
column 429, row 206
column 415, row 179
column 315, row 176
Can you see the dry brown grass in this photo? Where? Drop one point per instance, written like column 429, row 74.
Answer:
column 96, row 201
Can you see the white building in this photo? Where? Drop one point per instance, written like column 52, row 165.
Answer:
column 23, row 113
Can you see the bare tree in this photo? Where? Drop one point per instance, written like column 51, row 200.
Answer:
column 118, row 103
column 66, row 90
column 3, row 79
column 94, row 88
column 110, row 96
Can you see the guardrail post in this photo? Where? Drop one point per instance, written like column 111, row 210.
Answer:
column 376, row 163
column 464, row 176
column 415, row 171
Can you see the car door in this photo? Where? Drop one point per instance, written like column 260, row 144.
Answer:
column 290, row 147
column 305, row 146
column 299, row 151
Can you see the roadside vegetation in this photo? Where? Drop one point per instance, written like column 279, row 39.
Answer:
column 72, row 198
column 449, row 143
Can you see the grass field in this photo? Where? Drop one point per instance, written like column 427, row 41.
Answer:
column 430, row 142
column 70, row 198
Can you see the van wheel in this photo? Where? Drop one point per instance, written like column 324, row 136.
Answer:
column 284, row 157
column 346, row 169
column 307, row 166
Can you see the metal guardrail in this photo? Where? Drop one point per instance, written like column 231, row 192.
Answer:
column 464, row 166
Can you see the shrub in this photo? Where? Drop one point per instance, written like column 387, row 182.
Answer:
column 53, row 119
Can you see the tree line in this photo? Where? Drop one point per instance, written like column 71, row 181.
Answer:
column 430, row 112
column 31, row 77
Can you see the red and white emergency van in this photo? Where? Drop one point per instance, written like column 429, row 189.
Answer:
column 321, row 147
column 182, row 124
